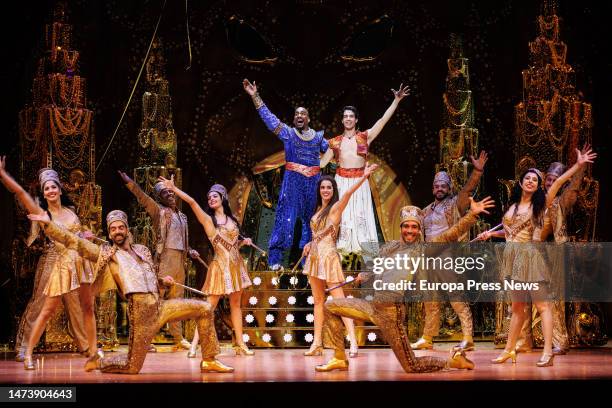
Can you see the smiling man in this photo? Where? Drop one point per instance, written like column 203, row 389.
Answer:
column 172, row 246
column 441, row 215
column 298, row 194
column 350, row 151
column 133, row 271
column 387, row 309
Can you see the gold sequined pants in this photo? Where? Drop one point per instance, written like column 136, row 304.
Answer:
column 172, row 264
column 147, row 315
column 389, row 316
column 70, row 300
column 432, row 318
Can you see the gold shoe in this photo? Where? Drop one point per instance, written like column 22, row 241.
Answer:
column 422, row 344
column 546, row 360
column 460, row 360
column 214, row 366
column 464, row 345
column 504, row 356
column 181, row 345
column 333, row 364
column 93, row 362
column 28, row 364
column 317, row 351
column 243, row 349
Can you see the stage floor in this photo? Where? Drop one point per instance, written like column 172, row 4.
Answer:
column 291, row 366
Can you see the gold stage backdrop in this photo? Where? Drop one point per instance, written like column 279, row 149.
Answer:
column 459, row 139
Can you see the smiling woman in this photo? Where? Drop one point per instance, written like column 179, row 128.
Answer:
column 60, row 272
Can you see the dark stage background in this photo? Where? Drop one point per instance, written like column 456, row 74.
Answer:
column 220, row 135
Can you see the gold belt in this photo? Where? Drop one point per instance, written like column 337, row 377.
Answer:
column 350, row 173
column 307, row 171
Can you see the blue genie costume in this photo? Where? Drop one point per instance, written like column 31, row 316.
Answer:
column 298, row 194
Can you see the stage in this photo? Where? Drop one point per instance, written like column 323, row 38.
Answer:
column 289, row 365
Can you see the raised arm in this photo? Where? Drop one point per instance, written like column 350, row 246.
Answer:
column 273, row 123
column 582, row 158
column 465, row 223
column 86, row 249
column 143, row 198
column 463, row 198
column 336, row 211
column 380, row 123
column 205, row 220
column 11, row 185
column 570, row 194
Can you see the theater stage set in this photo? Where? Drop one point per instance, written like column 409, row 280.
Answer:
column 155, row 88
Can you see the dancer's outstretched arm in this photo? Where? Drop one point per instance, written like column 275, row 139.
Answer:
column 380, row 123
column 582, row 158
column 271, row 121
column 11, row 185
column 569, row 196
column 86, row 249
column 463, row 198
column 149, row 204
column 205, row 219
column 467, row 221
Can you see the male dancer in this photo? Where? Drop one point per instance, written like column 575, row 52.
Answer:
column 172, row 245
column 297, row 198
column 132, row 268
column 350, row 151
column 439, row 216
column 387, row 310
column 557, row 214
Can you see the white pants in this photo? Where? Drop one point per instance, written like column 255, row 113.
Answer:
column 358, row 226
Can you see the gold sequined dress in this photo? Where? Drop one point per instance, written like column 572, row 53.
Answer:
column 323, row 261
column 59, row 271
column 227, row 272
column 523, row 261
column 67, row 269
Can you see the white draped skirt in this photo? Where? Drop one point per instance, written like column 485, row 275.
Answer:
column 358, row 226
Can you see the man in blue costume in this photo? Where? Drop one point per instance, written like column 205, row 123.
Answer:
column 297, row 199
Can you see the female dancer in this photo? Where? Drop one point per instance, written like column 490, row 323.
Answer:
column 66, row 271
column 227, row 274
column 523, row 263
column 322, row 260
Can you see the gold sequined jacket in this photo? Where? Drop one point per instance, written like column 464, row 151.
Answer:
column 129, row 274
